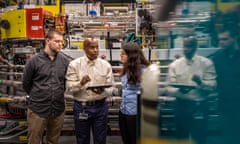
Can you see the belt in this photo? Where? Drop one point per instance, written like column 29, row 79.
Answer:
column 91, row 103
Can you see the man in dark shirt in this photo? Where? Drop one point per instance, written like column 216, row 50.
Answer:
column 44, row 82
column 227, row 67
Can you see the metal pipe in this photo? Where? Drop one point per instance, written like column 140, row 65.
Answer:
column 12, row 66
column 11, row 73
column 12, row 98
column 109, row 45
column 11, row 83
column 5, row 61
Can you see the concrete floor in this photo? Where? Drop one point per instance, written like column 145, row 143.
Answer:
column 117, row 140
column 72, row 140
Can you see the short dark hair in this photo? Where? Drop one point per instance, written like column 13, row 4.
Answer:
column 51, row 32
column 190, row 42
column 88, row 41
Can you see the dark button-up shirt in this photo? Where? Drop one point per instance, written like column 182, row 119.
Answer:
column 228, row 71
column 44, row 82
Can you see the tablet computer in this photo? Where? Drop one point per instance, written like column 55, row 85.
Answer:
column 183, row 85
column 92, row 86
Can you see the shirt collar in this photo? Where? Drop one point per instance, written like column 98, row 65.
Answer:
column 46, row 54
column 191, row 61
column 90, row 62
column 234, row 54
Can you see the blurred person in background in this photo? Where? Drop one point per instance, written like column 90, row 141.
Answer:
column 226, row 62
column 194, row 77
column 134, row 63
column 44, row 82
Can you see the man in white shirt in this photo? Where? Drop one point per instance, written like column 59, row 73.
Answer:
column 198, row 75
column 90, row 108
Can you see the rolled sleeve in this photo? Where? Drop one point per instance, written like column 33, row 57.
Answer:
column 209, row 78
column 72, row 79
column 110, row 80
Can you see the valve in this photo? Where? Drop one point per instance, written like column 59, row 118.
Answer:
column 5, row 24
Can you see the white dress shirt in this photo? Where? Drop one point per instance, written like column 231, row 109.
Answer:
column 99, row 71
column 182, row 70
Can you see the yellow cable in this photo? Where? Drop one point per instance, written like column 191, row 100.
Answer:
column 4, row 100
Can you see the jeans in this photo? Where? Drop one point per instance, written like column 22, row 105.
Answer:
column 96, row 121
column 191, row 120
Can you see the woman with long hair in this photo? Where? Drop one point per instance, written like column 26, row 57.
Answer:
column 134, row 63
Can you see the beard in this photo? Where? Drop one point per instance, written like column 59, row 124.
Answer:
column 54, row 49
